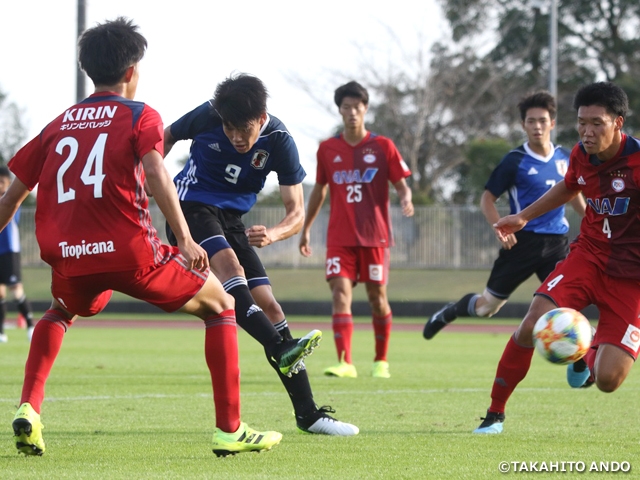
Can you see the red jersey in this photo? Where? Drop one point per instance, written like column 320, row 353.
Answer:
column 358, row 186
column 610, row 230
column 92, row 214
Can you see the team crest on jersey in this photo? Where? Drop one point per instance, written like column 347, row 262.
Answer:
column 562, row 167
column 369, row 155
column 617, row 184
column 259, row 159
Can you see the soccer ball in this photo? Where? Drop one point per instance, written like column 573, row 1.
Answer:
column 562, row 335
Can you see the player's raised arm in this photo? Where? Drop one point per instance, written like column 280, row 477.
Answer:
column 293, row 200
column 161, row 186
column 169, row 140
column 557, row 196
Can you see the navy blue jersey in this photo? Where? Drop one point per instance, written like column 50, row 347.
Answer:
column 10, row 236
column 527, row 176
column 216, row 174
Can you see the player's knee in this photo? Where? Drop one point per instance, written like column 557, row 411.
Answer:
column 488, row 305
column 609, row 381
column 607, row 384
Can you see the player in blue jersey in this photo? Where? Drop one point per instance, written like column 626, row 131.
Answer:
column 10, row 271
column 235, row 144
column 526, row 173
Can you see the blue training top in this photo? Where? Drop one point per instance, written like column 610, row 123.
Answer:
column 216, row 174
column 10, row 236
column 527, row 176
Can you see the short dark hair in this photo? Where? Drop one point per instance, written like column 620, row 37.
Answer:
column 4, row 171
column 108, row 49
column 541, row 99
column 352, row 89
column 240, row 99
column 605, row 94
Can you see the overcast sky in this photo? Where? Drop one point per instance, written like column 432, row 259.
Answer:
column 194, row 44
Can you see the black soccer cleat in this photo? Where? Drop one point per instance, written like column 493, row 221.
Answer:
column 492, row 423
column 436, row 322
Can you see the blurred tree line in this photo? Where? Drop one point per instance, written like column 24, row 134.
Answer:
column 454, row 116
column 12, row 128
column 452, row 109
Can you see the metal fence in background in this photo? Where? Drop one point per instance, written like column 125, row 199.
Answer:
column 448, row 237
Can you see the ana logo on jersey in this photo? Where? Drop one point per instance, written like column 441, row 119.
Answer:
column 562, row 166
column 617, row 184
column 604, row 207
column 354, row 176
column 259, row 159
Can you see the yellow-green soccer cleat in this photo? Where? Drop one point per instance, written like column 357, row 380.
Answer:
column 343, row 370
column 380, row 369
column 245, row 439
column 27, row 431
column 293, row 352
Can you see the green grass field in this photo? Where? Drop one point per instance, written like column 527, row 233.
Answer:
column 309, row 284
column 136, row 403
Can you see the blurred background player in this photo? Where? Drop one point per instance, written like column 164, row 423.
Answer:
column 526, row 173
column 357, row 165
column 10, row 266
column 603, row 266
column 235, row 144
column 94, row 229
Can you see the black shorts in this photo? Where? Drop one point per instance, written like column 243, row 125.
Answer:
column 10, row 272
column 210, row 226
column 534, row 253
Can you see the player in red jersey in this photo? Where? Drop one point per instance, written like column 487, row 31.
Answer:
column 603, row 266
column 357, row 166
column 94, row 229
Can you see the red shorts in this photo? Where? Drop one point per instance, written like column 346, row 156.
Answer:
column 168, row 286
column 360, row 264
column 578, row 282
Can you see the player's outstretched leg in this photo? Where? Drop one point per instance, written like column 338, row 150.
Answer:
column 492, row 423
column 27, row 431
column 245, row 439
column 290, row 354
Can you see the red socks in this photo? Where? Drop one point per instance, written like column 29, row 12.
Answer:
column 382, row 332
column 512, row 368
column 342, row 332
column 221, row 354
column 45, row 345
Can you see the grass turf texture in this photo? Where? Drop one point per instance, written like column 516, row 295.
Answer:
column 136, row 403
column 310, row 284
